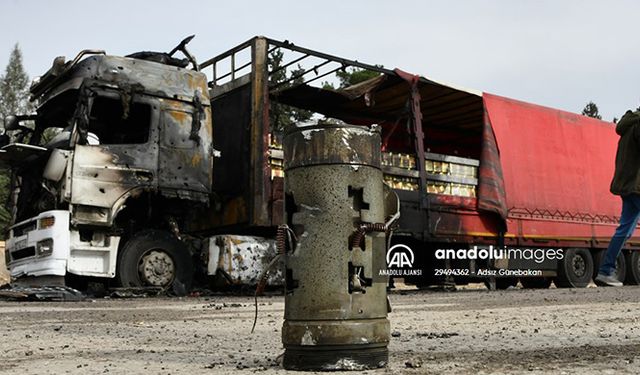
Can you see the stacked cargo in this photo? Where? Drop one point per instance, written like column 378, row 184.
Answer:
column 446, row 174
column 400, row 171
column 276, row 162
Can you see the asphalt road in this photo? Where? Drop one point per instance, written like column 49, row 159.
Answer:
column 564, row 331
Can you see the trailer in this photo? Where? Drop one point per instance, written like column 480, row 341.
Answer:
column 160, row 172
column 472, row 169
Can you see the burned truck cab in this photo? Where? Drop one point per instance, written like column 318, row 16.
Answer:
column 117, row 157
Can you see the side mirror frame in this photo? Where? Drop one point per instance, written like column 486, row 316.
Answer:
column 11, row 122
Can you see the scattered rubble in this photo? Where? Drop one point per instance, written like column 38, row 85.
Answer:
column 588, row 332
column 435, row 335
column 44, row 293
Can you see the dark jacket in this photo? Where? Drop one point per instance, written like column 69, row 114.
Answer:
column 626, row 179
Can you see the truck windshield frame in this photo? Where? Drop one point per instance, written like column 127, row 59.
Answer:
column 118, row 121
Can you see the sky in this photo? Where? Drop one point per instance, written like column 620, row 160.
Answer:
column 557, row 53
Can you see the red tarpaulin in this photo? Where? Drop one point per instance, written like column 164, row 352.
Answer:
column 555, row 163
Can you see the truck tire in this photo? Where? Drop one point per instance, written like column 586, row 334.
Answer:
column 155, row 258
column 632, row 259
column 535, row 282
column 575, row 270
column 621, row 265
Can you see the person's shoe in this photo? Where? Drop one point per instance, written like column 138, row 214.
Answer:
column 608, row 280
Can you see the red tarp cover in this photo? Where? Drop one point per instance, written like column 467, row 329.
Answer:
column 554, row 163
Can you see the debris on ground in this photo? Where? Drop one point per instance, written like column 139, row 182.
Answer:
column 413, row 363
column 472, row 332
column 136, row 292
column 434, row 335
column 42, row 293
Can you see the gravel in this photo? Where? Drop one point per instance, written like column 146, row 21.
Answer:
column 582, row 331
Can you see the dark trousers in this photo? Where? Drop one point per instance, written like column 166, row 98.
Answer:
column 628, row 221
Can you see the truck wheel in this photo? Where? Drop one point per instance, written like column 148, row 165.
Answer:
column 535, row 282
column 621, row 265
column 575, row 270
column 155, row 258
column 632, row 259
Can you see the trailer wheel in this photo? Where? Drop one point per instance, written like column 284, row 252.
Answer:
column 621, row 265
column 155, row 258
column 575, row 270
column 535, row 282
column 632, row 258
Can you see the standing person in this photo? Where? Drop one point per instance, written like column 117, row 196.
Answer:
column 626, row 184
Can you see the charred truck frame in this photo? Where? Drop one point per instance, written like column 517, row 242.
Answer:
column 128, row 187
column 470, row 168
column 128, row 160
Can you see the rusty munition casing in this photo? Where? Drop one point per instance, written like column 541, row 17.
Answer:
column 335, row 303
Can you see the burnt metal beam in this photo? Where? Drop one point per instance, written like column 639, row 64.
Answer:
column 259, row 181
column 294, row 77
column 347, row 62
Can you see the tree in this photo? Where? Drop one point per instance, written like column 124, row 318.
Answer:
column 591, row 110
column 354, row 76
column 14, row 99
column 351, row 77
column 14, row 87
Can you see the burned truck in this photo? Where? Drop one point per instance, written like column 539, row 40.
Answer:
column 475, row 172
column 144, row 170
column 103, row 177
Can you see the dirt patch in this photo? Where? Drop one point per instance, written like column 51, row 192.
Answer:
column 585, row 331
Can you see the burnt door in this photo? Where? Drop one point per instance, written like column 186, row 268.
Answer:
column 118, row 156
column 185, row 150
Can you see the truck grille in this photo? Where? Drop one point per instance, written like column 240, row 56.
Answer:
column 24, row 228
column 23, row 253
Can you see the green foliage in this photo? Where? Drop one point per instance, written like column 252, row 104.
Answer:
column 282, row 115
column 14, row 99
column 354, row 76
column 14, row 87
column 591, row 110
column 350, row 77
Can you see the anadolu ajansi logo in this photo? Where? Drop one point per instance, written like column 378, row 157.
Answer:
column 400, row 260
column 400, row 256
